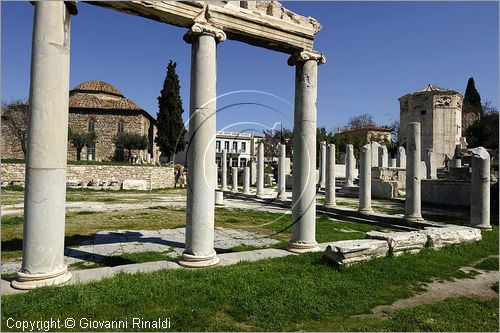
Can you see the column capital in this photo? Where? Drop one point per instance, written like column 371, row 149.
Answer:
column 200, row 28
column 304, row 55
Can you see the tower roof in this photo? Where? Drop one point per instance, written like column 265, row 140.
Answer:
column 97, row 94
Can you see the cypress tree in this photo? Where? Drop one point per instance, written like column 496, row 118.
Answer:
column 170, row 136
column 472, row 99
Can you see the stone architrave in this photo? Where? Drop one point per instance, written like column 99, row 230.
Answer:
column 246, row 180
column 235, row 179
column 365, row 180
column 431, row 164
column 260, row 169
column 480, row 189
column 322, row 164
column 281, row 172
column 413, row 174
column 199, row 249
column 383, row 157
column 375, row 148
column 303, row 237
column 223, row 176
column 330, row 177
column 350, row 166
column 401, row 157
column 45, row 180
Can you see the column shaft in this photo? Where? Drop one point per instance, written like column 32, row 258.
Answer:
column 235, row 179
column 413, row 174
column 365, row 179
column 480, row 189
column 224, row 171
column 260, row 169
column 330, row 176
column 246, row 180
column 281, row 172
column 45, row 182
column 322, row 165
column 350, row 166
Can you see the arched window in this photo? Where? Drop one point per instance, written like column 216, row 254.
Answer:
column 120, row 126
column 91, row 125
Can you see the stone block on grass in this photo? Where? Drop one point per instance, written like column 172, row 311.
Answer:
column 135, row 184
column 439, row 237
column 401, row 242
column 348, row 252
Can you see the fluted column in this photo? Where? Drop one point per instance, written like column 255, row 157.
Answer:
column 45, row 183
column 223, row 176
column 413, row 175
column 281, row 172
column 304, row 151
column 199, row 249
column 480, row 189
column 365, row 179
column 330, row 176
column 322, row 165
column 260, row 169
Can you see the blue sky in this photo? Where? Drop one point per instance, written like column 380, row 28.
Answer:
column 376, row 52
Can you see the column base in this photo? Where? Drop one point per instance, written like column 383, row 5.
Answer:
column 282, row 197
column 260, row 194
column 414, row 218
column 482, row 227
column 190, row 260
column 301, row 247
column 365, row 211
column 330, row 204
column 26, row 281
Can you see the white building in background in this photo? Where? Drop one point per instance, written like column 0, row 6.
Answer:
column 240, row 147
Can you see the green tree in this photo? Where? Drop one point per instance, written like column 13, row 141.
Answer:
column 272, row 139
column 341, row 141
column 171, row 131
column 484, row 132
column 472, row 99
column 130, row 141
column 79, row 140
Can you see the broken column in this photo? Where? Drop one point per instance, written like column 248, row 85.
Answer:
column 365, row 180
column 413, row 175
column 401, row 157
column 224, row 171
column 375, row 146
column 199, row 249
column 480, row 189
column 260, row 169
column 322, row 165
column 45, row 180
column 330, row 176
column 246, row 180
column 350, row 166
column 281, row 172
column 235, row 179
column 304, row 151
column 383, row 157
column 431, row 164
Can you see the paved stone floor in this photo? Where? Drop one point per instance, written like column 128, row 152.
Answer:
column 168, row 241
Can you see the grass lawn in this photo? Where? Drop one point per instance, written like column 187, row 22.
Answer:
column 284, row 294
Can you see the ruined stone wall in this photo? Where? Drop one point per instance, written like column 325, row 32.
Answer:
column 102, row 175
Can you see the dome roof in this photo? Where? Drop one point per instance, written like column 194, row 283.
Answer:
column 97, row 94
column 97, row 86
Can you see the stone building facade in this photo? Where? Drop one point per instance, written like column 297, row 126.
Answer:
column 369, row 133
column 439, row 112
column 98, row 106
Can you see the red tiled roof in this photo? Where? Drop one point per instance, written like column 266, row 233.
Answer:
column 99, row 95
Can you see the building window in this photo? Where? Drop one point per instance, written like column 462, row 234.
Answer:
column 121, row 126
column 91, row 125
column 243, row 162
column 423, row 111
column 226, row 145
column 217, row 145
column 235, row 146
column 243, row 147
column 91, row 152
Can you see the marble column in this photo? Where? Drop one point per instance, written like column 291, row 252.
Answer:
column 45, row 183
column 480, row 189
column 234, row 172
column 413, row 174
column 260, row 169
column 246, row 180
column 281, row 172
column 393, row 163
column 401, row 157
column 431, row 165
column 383, row 157
column 365, row 180
column 330, row 177
column 199, row 249
column 375, row 148
column 350, row 166
column 322, row 165
column 223, row 176
column 304, row 151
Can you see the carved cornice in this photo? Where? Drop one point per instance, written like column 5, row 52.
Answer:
column 201, row 28
column 306, row 55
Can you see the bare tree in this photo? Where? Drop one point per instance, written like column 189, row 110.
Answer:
column 360, row 121
column 15, row 116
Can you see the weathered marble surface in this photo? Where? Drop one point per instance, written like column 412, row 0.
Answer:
column 439, row 237
column 353, row 251
column 400, row 242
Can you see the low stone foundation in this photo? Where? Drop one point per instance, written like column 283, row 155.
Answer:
column 99, row 176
